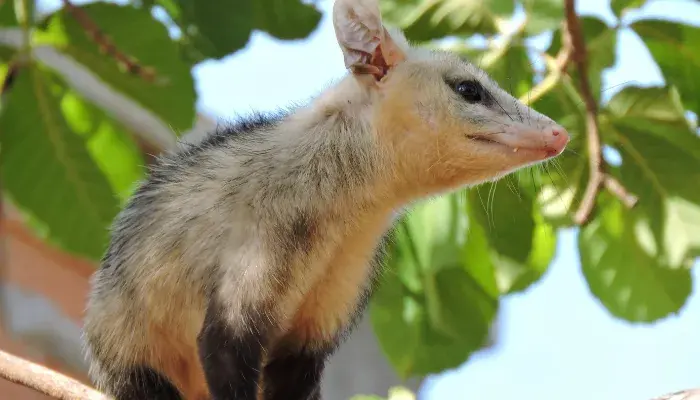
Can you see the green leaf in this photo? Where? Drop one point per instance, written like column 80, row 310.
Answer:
column 477, row 260
column 543, row 15
column 435, row 19
column 226, row 25
column 217, row 28
column 412, row 344
column 601, row 41
column 619, row 7
column 116, row 154
column 7, row 53
column 430, row 302
column 674, row 47
column 395, row 393
column 426, row 239
column 7, row 14
column 660, row 155
column 397, row 317
column 68, row 193
column 565, row 105
column 521, row 242
column 135, row 33
column 506, row 217
column 656, row 110
column 286, row 19
column 658, row 173
column 629, row 282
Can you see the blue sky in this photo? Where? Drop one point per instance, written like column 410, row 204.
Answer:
column 556, row 338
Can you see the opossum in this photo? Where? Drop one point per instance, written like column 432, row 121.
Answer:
column 240, row 263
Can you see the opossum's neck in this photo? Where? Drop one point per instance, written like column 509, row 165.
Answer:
column 327, row 155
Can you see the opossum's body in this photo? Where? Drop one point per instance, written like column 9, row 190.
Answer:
column 242, row 261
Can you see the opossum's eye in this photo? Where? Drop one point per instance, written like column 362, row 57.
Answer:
column 470, row 91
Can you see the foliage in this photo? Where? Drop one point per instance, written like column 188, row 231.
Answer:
column 500, row 237
column 395, row 393
column 454, row 257
column 66, row 163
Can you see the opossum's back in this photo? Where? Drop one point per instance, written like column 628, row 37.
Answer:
column 143, row 281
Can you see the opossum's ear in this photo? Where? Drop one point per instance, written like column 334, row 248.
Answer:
column 367, row 46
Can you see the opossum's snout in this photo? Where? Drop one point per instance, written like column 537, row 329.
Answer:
column 534, row 143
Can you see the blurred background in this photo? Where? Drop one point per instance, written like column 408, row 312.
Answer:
column 530, row 303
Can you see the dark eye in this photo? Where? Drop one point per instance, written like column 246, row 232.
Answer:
column 469, row 90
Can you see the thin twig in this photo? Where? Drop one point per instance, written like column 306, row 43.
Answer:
column 58, row 386
column 692, row 394
column 615, row 187
column 44, row 380
column 596, row 166
column 557, row 68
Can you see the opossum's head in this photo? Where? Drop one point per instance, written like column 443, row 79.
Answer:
column 443, row 121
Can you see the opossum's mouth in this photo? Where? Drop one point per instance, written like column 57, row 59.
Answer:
column 488, row 141
column 510, row 148
column 524, row 140
column 483, row 139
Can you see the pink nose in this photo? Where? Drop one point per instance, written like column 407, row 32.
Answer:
column 558, row 141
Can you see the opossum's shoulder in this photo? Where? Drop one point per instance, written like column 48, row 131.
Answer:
column 248, row 128
column 233, row 139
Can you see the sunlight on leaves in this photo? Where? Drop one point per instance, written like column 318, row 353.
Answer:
column 48, row 171
column 429, row 302
column 660, row 155
column 433, row 19
column 674, row 48
column 171, row 96
column 629, row 282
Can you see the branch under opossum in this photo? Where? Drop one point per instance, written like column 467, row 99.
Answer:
column 44, row 380
column 57, row 386
column 597, row 176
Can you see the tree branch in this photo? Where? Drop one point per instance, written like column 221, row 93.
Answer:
column 692, row 394
column 615, row 187
column 57, row 386
column 596, row 166
column 44, row 380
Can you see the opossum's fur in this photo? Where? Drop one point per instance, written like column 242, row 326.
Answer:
column 270, row 229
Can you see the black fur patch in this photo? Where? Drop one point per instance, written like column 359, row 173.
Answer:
column 145, row 383
column 294, row 375
column 290, row 241
column 231, row 361
column 252, row 123
column 302, row 233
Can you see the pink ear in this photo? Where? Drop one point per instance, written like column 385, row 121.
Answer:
column 366, row 44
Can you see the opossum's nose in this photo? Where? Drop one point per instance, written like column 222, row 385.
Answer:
column 556, row 140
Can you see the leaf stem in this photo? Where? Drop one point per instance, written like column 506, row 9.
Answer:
column 615, row 187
